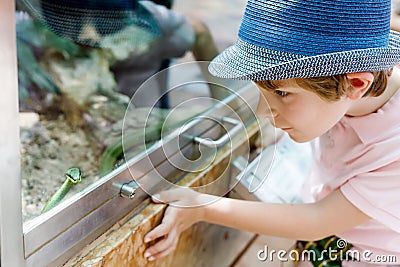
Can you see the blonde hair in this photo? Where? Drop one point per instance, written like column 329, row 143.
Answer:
column 332, row 88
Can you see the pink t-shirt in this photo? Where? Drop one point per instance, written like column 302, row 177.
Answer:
column 361, row 156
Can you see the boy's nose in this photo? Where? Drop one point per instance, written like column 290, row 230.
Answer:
column 264, row 110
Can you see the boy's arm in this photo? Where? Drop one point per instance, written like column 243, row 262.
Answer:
column 296, row 221
column 311, row 221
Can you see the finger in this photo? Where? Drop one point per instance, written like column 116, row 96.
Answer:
column 165, row 244
column 162, row 254
column 165, row 227
column 163, row 247
column 159, row 231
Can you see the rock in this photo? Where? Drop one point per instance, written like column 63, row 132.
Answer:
column 28, row 119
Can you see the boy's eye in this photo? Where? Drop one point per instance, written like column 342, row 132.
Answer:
column 281, row 93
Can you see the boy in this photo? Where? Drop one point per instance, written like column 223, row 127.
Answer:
column 324, row 68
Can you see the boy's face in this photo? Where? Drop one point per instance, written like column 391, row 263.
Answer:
column 299, row 112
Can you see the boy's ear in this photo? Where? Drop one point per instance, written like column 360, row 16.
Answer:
column 360, row 82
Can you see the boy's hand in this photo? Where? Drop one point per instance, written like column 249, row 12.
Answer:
column 186, row 207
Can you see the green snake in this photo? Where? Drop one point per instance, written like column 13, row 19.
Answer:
column 130, row 140
column 73, row 176
column 134, row 138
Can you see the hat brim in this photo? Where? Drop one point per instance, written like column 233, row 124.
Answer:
column 246, row 61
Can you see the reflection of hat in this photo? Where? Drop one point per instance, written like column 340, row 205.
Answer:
column 89, row 22
column 310, row 38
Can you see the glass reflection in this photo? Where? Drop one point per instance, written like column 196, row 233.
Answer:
column 74, row 95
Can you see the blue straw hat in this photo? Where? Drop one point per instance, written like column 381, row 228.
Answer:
column 88, row 22
column 313, row 38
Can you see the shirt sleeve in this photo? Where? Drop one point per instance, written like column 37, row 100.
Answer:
column 377, row 194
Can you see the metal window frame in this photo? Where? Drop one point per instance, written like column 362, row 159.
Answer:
column 59, row 234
